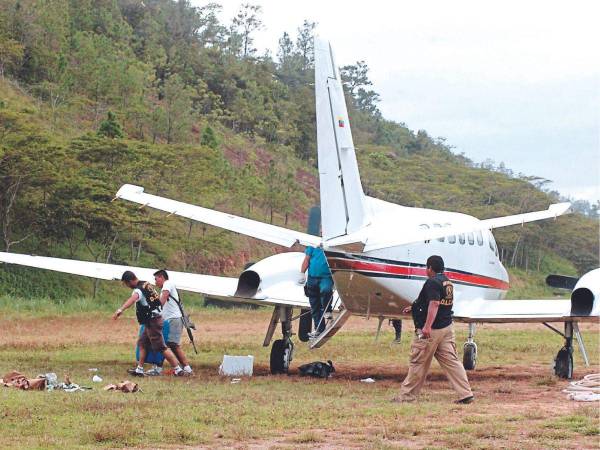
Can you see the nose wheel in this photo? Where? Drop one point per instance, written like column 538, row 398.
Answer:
column 470, row 350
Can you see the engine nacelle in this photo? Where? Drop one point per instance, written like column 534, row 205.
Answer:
column 585, row 298
column 276, row 274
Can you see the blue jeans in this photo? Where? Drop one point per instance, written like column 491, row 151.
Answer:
column 320, row 294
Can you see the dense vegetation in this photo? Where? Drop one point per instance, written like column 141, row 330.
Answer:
column 94, row 94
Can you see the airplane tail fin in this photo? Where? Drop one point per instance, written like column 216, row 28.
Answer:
column 343, row 206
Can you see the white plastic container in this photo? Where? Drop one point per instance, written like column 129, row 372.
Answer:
column 237, row 366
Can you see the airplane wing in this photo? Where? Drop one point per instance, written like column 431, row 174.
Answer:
column 248, row 227
column 224, row 288
column 418, row 235
column 511, row 311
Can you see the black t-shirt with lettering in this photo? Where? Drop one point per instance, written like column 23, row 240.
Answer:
column 438, row 288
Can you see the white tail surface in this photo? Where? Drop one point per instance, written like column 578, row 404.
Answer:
column 343, row 208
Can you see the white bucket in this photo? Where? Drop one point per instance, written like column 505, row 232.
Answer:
column 237, row 366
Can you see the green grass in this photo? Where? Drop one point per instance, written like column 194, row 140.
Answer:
column 278, row 411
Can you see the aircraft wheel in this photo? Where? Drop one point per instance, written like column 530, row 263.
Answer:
column 281, row 356
column 469, row 355
column 563, row 363
column 304, row 325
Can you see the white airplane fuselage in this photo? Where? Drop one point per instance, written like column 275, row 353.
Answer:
column 382, row 282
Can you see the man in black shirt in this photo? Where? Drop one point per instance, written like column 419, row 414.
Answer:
column 434, row 336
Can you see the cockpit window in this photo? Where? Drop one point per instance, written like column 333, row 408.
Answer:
column 479, row 237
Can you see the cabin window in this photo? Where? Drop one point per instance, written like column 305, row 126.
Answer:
column 437, row 225
column 471, row 238
column 479, row 237
column 452, row 239
column 490, row 241
column 461, row 238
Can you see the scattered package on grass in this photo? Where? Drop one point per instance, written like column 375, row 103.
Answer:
column 126, row 387
column 367, row 380
column 235, row 380
column 317, row 369
column 47, row 381
column 237, row 366
column 18, row 380
column 96, row 379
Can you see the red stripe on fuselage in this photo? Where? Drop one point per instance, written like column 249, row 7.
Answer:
column 370, row 266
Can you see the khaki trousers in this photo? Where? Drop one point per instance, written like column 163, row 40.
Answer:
column 442, row 345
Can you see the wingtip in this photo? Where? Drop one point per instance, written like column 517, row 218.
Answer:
column 128, row 189
column 561, row 208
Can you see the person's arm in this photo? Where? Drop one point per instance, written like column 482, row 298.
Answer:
column 432, row 310
column 305, row 263
column 164, row 296
column 130, row 301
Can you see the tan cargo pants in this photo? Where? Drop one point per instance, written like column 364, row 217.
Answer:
column 442, row 345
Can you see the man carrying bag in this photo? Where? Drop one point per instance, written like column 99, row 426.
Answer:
column 175, row 318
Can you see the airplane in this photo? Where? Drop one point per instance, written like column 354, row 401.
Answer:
column 375, row 250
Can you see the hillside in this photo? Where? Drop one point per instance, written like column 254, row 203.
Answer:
column 161, row 94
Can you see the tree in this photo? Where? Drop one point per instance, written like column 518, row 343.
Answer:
column 245, row 23
column 355, row 76
column 306, row 44
column 177, row 105
column 209, row 138
column 11, row 55
column 110, row 127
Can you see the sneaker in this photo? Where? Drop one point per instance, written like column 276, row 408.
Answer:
column 180, row 373
column 154, row 372
column 466, row 400
column 138, row 372
column 313, row 335
column 328, row 316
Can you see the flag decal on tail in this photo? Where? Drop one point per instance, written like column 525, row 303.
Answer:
column 341, row 122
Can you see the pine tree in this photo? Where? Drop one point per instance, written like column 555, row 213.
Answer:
column 110, row 127
column 209, row 138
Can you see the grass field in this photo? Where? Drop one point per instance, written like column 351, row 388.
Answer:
column 519, row 403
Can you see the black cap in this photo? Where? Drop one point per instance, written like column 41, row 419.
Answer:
column 128, row 275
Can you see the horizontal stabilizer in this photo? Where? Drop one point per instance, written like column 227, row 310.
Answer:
column 253, row 228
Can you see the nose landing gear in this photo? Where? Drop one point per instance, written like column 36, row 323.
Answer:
column 470, row 350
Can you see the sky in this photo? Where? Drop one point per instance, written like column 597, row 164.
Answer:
column 513, row 81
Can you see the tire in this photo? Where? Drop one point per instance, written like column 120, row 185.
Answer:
column 304, row 325
column 281, row 356
column 469, row 356
column 563, row 364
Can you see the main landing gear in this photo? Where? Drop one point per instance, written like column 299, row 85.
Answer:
column 470, row 350
column 563, row 363
column 282, row 350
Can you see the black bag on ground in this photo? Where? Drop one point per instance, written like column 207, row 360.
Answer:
column 317, row 369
